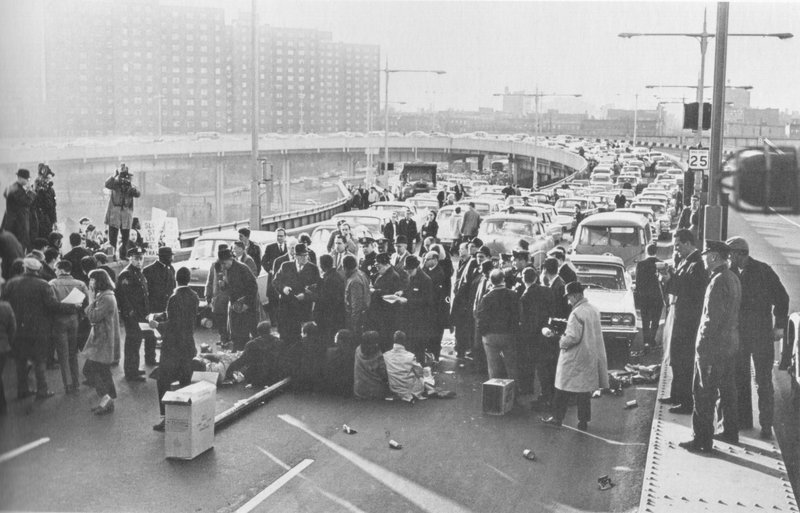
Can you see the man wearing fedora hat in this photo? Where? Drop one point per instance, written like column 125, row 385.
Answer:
column 19, row 198
column 119, row 214
column 292, row 282
column 582, row 365
column 160, row 276
column 716, row 346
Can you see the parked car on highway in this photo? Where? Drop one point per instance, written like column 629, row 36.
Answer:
column 565, row 210
column 322, row 234
column 484, row 206
column 661, row 213
column 609, row 287
column 372, row 220
column 204, row 254
column 621, row 234
column 502, row 232
column 543, row 214
column 444, row 219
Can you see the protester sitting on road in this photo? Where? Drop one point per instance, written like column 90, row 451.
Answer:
column 403, row 371
column 339, row 361
column 99, row 351
column 260, row 363
column 369, row 373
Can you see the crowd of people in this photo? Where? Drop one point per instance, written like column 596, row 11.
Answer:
column 372, row 327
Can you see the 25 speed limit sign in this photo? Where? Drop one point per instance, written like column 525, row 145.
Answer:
column 698, row 159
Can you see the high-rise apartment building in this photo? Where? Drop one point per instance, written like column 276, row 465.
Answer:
column 146, row 66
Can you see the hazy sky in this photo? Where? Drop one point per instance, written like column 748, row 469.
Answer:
column 563, row 47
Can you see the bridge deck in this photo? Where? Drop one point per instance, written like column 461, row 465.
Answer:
column 749, row 476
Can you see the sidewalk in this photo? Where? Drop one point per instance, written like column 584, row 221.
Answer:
column 749, row 476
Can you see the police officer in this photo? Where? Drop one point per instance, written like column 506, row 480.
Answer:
column 160, row 276
column 133, row 301
column 367, row 263
column 382, row 316
column 513, row 275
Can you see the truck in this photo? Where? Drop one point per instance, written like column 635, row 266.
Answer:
column 417, row 178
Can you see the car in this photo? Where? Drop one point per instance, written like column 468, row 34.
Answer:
column 664, row 165
column 539, row 197
column 609, row 288
column 446, row 219
column 603, row 180
column 565, row 211
column 423, row 204
column 483, row 206
column 661, row 213
column 625, row 235
column 502, row 232
column 647, row 214
column 204, row 254
column 394, row 206
column 322, row 234
column 544, row 215
column 372, row 220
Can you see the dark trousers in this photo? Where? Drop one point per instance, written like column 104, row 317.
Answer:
column 99, row 375
column 22, row 374
column 133, row 342
column 221, row 322
column 681, row 390
column 709, row 384
column 113, row 231
column 561, row 401
column 762, row 357
column 434, row 345
column 651, row 315
column 526, row 366
column 546, row 364
column 150, row 347
column 478, row 353
column 180, row 373
column 65, row 335
column 465, row 331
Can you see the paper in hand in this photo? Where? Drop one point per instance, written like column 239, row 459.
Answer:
column 75, row 297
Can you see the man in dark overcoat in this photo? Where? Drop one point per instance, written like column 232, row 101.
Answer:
column 134, row 305
column 535, row 304
column 328, row 297
column 383, row 316
column 271, row 253
column 177, row 331
column 418, row 301
column 243, row 292
column 648, row 295
column 160, row 276
column 19, row 198
column 688, row 284
column 292, row 281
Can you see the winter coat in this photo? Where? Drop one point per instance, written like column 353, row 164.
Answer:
column 120, row 206
column 356, row 299
column 44, row 209
column 419, row 308
column 216, row 292
column 177, row 326
column 369, row 376
column 404, row 373
column 718, row 333
column 582, row 364
column 102, row 313
column 8, row 326
column 160, row 284
column 18, row 213
column 689, row 286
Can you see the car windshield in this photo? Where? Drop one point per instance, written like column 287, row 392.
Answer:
column 371, row 223
column 604, row 277
column 204, row 249
column 510, row 227
column 657, row 208
column 612, row 236
column 570, row 203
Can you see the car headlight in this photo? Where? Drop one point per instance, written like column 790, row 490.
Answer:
column 624, row 319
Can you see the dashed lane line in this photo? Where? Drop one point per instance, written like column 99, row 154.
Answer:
column 274, row 487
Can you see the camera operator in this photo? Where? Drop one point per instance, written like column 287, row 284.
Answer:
column 119, row 216
column 19, row 198
column 43, row 221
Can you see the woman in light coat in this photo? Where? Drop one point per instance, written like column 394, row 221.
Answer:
column 104, row 336
column 582, row 366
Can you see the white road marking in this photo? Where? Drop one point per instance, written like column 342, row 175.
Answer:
column 646, row 388
column 338, row 500
column 606, row 440
column 784, row 218
column 420, row 496
column 274, row 487
column 21, row 450
column 501, row 473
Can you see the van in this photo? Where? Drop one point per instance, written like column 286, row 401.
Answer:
column 625, row 235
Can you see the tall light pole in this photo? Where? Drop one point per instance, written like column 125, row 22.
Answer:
column 255, row 171
column 537, row 121
column 703, row 38
column 387, row 71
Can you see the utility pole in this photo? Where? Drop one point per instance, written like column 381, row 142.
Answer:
column 255, row 169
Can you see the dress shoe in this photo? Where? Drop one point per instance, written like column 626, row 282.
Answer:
column 160, row 426
column 45, row 395
column 667, row 400
column 766, row 432
column 105, row 410
column 551, row 421
column 731, row 438
column 135, row 378
column 681, row 410
column 695, row 446
column 583, row 426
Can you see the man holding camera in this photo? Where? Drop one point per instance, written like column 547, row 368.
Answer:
column 19, row 198
column 119, row 215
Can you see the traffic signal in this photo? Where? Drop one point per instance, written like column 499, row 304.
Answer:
column 690, row 116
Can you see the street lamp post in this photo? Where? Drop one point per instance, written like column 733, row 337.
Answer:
column 255, row 169
column 387, row 71
column 537, row 122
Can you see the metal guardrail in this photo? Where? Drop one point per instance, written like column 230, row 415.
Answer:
column 288, row 220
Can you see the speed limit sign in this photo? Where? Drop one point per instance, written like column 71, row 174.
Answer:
column 698, row 159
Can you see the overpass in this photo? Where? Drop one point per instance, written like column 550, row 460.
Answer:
column 223, row 165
